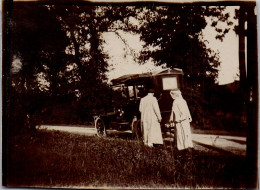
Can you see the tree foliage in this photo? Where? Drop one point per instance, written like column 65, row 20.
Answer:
column 172, row 37
column 57, row 58
column 38, row 43
column 37, row 50
column 58, row 51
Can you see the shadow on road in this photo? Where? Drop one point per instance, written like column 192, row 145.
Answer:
column 237, row 141
column 219, row 150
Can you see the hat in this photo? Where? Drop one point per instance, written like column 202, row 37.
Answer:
column 151, row 91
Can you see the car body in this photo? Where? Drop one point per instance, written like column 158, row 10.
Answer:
column 126, row 93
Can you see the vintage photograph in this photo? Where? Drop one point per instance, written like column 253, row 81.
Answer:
column 129, row 95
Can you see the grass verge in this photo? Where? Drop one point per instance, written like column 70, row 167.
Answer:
column 59, row 159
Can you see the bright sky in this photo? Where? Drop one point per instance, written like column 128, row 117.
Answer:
column 121, row 61
column 228, row 51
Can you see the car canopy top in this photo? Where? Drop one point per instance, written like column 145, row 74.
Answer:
column 134, row 78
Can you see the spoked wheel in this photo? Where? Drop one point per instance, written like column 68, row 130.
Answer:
column 100, row 127
column 137, row 131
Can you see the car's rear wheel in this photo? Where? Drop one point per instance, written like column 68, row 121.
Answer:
column 100, row 127
column 137, row 131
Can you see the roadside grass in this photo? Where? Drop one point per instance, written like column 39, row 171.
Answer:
column 59, row 159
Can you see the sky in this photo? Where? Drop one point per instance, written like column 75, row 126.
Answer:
column 121, row 61
column 228, row 51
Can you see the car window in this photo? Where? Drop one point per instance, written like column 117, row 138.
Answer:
column 169, row 83
column 131, row 92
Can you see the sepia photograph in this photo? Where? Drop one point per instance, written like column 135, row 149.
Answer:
column 129, row 94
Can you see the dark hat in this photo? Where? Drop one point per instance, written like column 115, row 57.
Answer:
column 151, row 91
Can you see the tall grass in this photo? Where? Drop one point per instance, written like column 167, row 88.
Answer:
column 58, row 159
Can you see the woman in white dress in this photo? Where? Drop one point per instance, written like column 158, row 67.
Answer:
column 180, row 115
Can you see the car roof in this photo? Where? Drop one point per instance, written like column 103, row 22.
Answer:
column 131, row 78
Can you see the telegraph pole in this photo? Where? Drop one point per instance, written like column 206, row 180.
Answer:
column 252, row 97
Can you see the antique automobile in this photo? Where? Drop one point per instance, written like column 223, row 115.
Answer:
column 126, row 92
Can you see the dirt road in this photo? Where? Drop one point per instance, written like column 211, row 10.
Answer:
column 215, row 143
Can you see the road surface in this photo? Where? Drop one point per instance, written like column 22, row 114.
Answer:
column 215, row 143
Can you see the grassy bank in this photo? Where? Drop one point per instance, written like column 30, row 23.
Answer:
column 56, row 159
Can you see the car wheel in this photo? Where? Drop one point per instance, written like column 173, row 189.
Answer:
column 137, row 131
column 100, row 127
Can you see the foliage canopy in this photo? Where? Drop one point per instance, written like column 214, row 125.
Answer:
column 58, row 53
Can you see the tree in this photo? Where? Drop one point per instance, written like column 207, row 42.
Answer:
column 64, row 55
column 38, row 46
column 84, row 26
column 61, row 59
column 173, row 38
column 38, row 54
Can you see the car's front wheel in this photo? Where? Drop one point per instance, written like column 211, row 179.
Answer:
column 100, row 127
